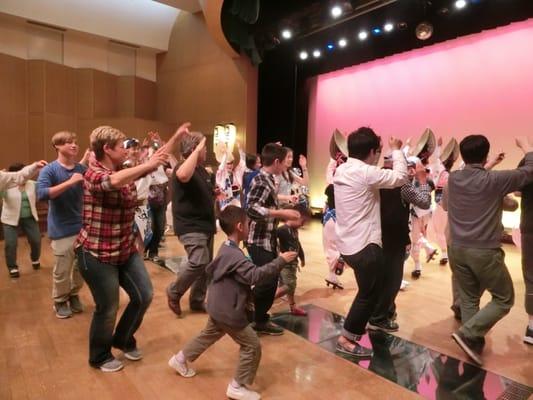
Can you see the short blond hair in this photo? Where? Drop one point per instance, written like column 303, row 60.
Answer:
column 62, row 137
column 104, row 135
column 189, row 143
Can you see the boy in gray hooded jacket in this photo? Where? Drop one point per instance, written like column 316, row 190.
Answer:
column 230, row 305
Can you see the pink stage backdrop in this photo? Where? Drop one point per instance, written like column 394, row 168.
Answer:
column 481, row 83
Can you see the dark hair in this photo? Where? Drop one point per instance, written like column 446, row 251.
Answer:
column 448, row 164
column 272, row 152
column 229, row 218
column 474, row 149
column 250, row 160
column 304, row 211
column 361, row 142
column 15, row 167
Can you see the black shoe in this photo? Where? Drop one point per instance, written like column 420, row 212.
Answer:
column 268, row 328
column 36, row 265
column 358, row 351
column 198, row 309
column 443, row 261
column 416, row 274
column 528, row 337
column 456, row 312
column 384, row 326
column 76, row 306
column 14, row 272
column 471, row 347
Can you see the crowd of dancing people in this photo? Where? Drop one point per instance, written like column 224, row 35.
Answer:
column 107, row 214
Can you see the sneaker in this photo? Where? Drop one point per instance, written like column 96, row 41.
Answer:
column 112, row 365
column 268, row 328
column 470, row 347
column 358, row 351
column 14, row 272
column 384, row 326
column 62, row 310
column 416, row 274
column 173, row 303
column 158, row 260
column 36, row 265
column 76, row 305
column 241, row 393
column 528, row 337
column 134, row 355
column 181, row 368
column 297, row 311
column 404, row 284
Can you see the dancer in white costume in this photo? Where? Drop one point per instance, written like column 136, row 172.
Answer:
column 338, row 152
column 419, row 217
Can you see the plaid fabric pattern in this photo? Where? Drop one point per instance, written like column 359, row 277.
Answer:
column 261, row 198
column 108, row 217
column 329, row 214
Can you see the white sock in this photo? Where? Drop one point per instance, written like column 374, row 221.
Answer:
column 332, row 277
column 235, row 384
column 444, row 254
column 530, row 322
column 418, row 267
column 181, row 358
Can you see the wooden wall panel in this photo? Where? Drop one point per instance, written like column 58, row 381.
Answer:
column 105, row 94
column 145, row 98
column 13, row 84
column 85, row 93
column 126, row 96
column 37, row 144
column 60, row 89
column 15, row 130
column 36, row 83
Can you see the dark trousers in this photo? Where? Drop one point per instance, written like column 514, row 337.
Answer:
column 104, row 281
column 31, row 229
column 393, row 260
column 265, row 292
column 368, row 268
column 527, row 269
column 158, row 228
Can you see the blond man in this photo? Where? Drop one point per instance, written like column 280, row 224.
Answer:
column 60, row 182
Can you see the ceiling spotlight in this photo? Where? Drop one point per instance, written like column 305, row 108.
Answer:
column 424, row 30
column 303, row 55
column 342, row 43
column 286, row 34
column 402, row 26
column 376, row 31
column 316, row 53
column 362, row 35
column 336, row 11
column 460, row 4
column 330, row 46
column 388, row 27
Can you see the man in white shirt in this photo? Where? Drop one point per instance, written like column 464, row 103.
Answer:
column 357, row 183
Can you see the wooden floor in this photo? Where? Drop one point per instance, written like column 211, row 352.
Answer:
column 42, row 357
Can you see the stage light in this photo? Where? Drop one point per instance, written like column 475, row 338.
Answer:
column 317, row 53
column 362, row 35
column 376, row 31
column 303, row 55
column 336, row 11
column 424, row 30
column 330, row 46
column 388, row 27
column 286, row 34
column 460, row 4
column 343, row 43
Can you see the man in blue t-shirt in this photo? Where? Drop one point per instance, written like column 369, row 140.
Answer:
column 61, row 183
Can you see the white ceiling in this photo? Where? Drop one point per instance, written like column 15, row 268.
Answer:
column 145, row 23
column 191, row 6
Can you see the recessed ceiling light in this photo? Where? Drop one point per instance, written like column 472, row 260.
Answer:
column 388, row 27
column 342, row 42
column 460, row 4
column 362, row 35
column 286, row 34
column 330, row 46
column 376, row 31
column 336, row 11
column 303, row 55
column 317, row 53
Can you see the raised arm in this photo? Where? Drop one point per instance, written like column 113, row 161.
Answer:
column 11, row 179
column 186, row 170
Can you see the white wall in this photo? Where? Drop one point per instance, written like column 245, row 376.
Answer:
column 74, row 49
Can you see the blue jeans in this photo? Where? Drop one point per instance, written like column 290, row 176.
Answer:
column 104, row 281
column 31, row 229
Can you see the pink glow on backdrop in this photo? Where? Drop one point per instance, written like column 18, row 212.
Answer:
column 481, row 83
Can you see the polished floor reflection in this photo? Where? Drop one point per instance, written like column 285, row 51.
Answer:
column 427, row 372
